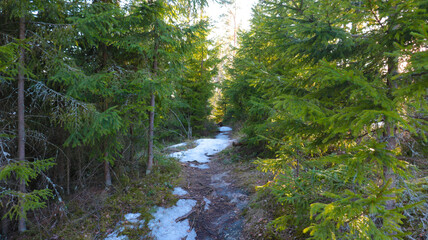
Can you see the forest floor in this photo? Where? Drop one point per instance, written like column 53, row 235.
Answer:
column 227, row 204
column 208, row 192
column 218, row 212
column 210, row 203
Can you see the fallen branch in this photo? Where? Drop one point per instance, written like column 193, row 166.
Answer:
column 179, row 219
column 196, row 209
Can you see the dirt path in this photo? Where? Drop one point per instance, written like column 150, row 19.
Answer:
column 217, row 214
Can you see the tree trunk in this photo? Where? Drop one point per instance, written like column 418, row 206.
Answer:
column 21, row 122
column 68, row 170
column 79, row 158
column 151, row 129
column 189, row 128
column 152, row 105
column 107, row 174
column 389, row 133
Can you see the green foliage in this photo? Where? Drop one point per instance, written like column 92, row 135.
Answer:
column 334, row 88
column 26, row 201
column 357, row 215
column 25, row 170
column 90, row 68
column 8, row 54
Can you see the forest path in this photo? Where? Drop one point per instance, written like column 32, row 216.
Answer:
column 217, row 214
column 209, row 205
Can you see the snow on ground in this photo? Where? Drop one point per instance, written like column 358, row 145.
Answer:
column 179, row 191
column 225, row 129
column 131, row 222
column 201, row 166
column 160, row 226
column 163, row 225
column 115, row 235
column 222, row 136
column 205, row 148
column 178, row 145
column 132, row 217
column 207, row 203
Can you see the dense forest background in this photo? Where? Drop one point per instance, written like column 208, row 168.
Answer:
column 330, row 97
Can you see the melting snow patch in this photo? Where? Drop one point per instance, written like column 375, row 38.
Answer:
column 202, row 166
column 178, row 145
column 163, row 225
column 207, row 203
column 225, row 129
column 222, row 136
column 179, row 191
column 132, row 220
column 115, row 235
column 132, row 217
column 192, row 235
column 204, row 148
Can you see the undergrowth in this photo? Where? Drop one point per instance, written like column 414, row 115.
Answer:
column 94, row 213
column 265, row 210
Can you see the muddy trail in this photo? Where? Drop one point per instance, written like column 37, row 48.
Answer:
column 217, row 214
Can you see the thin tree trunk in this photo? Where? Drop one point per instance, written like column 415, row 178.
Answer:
column 21, row 122
column 152, row 111
column 389, row 133
column 107, row 174
column 80, row 168
column 181, row 123
column 68, row 171
column 189, row 128
column 151, row 134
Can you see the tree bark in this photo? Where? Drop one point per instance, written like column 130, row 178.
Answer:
column 21, row 122
column 151, row 134
column 152, row 105
column 68, row 174
column 189, row 128
column 107, row 174
column 389, row 133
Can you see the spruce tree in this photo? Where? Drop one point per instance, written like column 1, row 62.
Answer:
column 15, row 64
column 332, row 95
